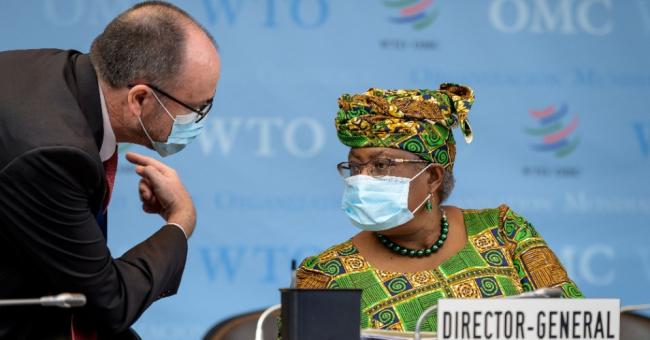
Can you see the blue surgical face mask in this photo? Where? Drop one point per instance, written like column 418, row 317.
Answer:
column 378, row 203
column 184, row 131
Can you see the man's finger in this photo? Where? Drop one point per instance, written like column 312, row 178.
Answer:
column 153, row 205
column 139, row 169
column 151, row 174
column 150, row 209
column 145, row 191
column 142, row 160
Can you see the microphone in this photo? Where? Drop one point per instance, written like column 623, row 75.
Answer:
column 293, row 273
column 63, row 300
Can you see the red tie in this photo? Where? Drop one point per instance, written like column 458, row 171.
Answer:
column 81, row 333
column 110, row 167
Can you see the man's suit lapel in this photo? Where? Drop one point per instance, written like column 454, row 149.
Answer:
column 87, row 92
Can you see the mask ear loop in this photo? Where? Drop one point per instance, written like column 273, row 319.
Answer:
column 142, row 124
column 163, row 106
column 429, row 195
column 421, row 172
column 145, row 132
column 422, row 204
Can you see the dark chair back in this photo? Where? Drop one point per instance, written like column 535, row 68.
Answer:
column 634, row 326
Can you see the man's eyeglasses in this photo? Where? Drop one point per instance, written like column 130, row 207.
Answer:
column 376, row 167
column 201, row 111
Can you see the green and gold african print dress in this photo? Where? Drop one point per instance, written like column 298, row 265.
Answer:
column 504, row 255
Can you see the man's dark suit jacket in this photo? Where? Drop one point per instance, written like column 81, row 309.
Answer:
column 52, row 185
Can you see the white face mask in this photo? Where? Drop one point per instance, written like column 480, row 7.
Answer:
column 184, row 131
column 379, row 203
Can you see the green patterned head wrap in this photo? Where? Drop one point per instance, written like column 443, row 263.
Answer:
column 418, row 121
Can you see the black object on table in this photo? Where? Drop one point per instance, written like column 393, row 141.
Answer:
column 321, row 314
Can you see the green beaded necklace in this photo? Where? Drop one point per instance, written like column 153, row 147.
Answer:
column 397, row 249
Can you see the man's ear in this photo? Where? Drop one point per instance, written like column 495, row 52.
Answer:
column 137, row 98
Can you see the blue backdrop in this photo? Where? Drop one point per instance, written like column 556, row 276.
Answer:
column 561, row 123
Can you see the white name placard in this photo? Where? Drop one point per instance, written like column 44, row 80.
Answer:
column 528, row 319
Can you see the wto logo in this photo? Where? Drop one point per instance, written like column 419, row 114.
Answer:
column 556, row 135
column 305, row 14
column 419, row 14
column 566, row 17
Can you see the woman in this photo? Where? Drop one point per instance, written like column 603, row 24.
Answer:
column 412, row 251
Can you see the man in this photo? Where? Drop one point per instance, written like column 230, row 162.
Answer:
column 150, row 79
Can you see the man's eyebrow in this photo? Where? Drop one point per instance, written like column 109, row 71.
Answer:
column 211, row 99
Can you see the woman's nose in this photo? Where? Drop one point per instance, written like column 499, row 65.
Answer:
column 366, row 170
